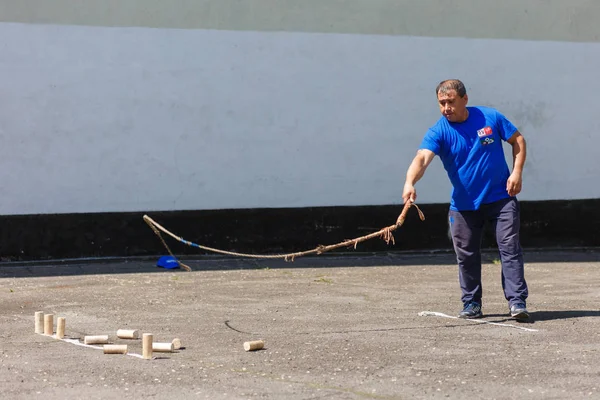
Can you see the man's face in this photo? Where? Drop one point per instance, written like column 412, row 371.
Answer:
column 452, row 106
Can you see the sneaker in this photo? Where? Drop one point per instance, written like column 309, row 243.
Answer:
column 519, row 312
column 472, row 310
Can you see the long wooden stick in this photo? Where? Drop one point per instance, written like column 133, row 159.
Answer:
column 385, row 233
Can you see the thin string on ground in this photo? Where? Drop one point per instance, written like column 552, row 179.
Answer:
column 475, row 321
column 78, row 343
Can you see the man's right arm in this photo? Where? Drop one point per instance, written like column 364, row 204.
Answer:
column 416, row 170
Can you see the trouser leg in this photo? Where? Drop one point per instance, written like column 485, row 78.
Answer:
column 505, row 215
column 466, row 229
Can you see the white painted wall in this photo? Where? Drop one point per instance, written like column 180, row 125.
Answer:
column 99, row 119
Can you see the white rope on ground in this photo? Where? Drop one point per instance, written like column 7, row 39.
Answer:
column 78, row 343
column 476, row 321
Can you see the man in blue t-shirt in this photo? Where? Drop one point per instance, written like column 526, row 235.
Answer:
column 468, row 140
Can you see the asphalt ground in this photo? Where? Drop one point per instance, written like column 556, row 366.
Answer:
column 344, row 326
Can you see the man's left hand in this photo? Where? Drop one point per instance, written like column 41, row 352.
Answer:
column 514, row 184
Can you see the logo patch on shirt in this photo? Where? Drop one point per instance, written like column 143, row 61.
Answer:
column 486, row 141
column 487, row 131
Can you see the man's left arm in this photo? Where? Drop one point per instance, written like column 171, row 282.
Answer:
column 519, row 150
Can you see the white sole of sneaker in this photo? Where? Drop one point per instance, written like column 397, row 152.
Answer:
column 473, row 317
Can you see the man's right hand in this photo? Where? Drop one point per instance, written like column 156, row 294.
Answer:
column 409, row 193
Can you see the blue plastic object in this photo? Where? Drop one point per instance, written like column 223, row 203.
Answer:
column 168, row 262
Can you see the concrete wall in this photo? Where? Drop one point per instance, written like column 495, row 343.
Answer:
column 155, row 105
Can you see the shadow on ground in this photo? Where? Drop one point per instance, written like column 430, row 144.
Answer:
column 537, row 316
column 332, row 260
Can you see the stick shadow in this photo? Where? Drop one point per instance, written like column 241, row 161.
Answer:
column 535, row 316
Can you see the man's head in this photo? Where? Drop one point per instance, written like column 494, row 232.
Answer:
column 452, row 99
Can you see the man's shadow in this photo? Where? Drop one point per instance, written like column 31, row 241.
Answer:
column 535, row 316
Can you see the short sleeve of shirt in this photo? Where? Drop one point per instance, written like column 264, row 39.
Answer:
column 431, row 141
column 507, row 129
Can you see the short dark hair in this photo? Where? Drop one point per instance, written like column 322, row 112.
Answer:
column 451, row 84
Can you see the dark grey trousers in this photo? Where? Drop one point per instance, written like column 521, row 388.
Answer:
column 466, row 228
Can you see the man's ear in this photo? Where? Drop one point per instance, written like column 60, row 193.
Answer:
column 466, row 98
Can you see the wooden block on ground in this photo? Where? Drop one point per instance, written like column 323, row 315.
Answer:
column 39, row 322
column 162, row 347
column 128, row 334
column 254, row 345
column 60, row 327
column 48, row 324
column 97, row 339
column 115, row 349
column 147, row 346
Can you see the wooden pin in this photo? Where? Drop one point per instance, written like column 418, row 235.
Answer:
column 128, row 334
column 115, row 349
column 48, row 324
column 60, row 327
column 98, row 339
column 176, row 344
column 162, row 347
column 254, row 345
column 147, row 346
column 39, row 322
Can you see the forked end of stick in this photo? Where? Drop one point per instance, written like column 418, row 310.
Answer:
column 182, row 265
column 421, row 215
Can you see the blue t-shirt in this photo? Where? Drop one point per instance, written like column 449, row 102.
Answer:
column 473, row 157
